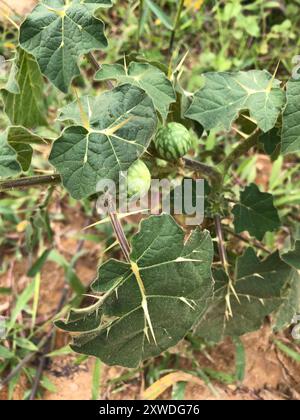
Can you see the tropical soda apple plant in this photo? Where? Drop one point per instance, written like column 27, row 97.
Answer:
column 169, row 282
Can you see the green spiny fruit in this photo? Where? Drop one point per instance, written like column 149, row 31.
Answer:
column 138, row 179
column 172, row 141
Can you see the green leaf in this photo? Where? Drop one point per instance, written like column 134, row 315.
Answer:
column 240, row 362
column 151, row 303
column 258, row 285
column 291, row 119
column 39, row 263
column 15, row 150
column 21, row 303
column 80, row 322
column 149, row 78
column 271, row 142
column 293, row 257
column 48, row 385
column 21, row 139
column 5, row 353
column 23, row 94
column 288, row 351
column 26, row 344
column 291, row 305
column 75, row 112
column 58, row 32
column 121, row 125
column 225, row 95
column 9, row 165
column 5, row 291
column 96, row 381
column 63, row 351
column 10, row 83
column 160, row 14
column 255, row 213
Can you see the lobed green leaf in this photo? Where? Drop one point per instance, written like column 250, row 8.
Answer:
column 120, row 123
column 258, row 292
column 23, row 93
column 152, row 302
column 291, row 119
column 225, row 95
column 58, row 32
column 255, row 213
column 146, row 76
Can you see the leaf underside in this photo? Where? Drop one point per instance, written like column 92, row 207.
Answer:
column 16, row 151
column 9, row 165
column 150, row 304
column 23, row 95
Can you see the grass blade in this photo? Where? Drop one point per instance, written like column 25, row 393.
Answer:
column 160, row 14
column 21, row 303
column 96, row 380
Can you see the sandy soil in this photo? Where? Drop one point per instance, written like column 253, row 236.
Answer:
column 21, row 7
column 270, row 376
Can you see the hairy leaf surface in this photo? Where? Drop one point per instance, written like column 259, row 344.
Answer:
column 291, row 304
column 119, row 127
column 23, row 94
column 293, row 257
column 291, row 119
column 9, row 165
column 21, row 139
column 271, row 142
column 152, row 302
column 16, row 151
column 149, row 78
column 258, row 286
column 255, row 213
column 225, row 95
column 8, row 80
column 58, row 32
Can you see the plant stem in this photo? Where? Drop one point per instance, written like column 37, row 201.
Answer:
column 18, row 367
column 221, row 244
column 92, row 60
column 120, row 234
column 239, row 151
column 175, row 27
column 28, row 182
column 224, row 260
column 40, row 370
column 54, row 180
column 96, row 66
column 139, row 33
column 212, row 173
column 254, row 243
